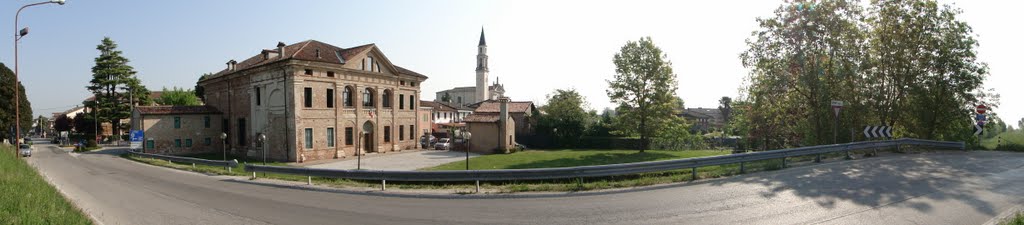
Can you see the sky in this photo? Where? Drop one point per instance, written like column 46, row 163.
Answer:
column 534, row 47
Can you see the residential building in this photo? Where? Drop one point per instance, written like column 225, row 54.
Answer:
column 313, row 101
column 492, row 132
column 522, row 111
column 179, row 130
column 704, row 119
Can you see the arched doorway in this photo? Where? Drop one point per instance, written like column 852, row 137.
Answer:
column 367, row 135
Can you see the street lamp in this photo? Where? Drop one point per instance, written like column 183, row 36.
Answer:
column 262, row 140
column 18, row 34
column 223, row 145
column 359, row 152
column 466, row 135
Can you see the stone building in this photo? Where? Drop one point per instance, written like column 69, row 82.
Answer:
column 315, row 101
column 492, row 132
column 522, row 111
column 179, row 130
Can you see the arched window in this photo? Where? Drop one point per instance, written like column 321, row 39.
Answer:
column 346, row 96
column 386, row 99
column 368, row 97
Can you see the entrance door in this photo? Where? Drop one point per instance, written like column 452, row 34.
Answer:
column 367, row 142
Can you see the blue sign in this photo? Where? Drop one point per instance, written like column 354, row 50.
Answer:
column 136, row 136
column 980, row 118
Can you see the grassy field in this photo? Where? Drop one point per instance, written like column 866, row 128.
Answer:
column 25, row 198
column 570, row 158
column 1017, row 219
column 1009, row 138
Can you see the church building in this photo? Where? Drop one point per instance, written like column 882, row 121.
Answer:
column 464, row 96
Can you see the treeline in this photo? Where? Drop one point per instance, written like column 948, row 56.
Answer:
column 910, row 64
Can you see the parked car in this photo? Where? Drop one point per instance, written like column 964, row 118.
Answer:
column 443, row 144
column 26, row 150
column 427, row 141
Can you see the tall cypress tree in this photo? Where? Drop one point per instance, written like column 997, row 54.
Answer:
column 112, row 80
column 7, row 105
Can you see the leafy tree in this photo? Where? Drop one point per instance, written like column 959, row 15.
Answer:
column 178, row 96
column 200, row 92
column 566, row 117
column 63, row 123
column 85, row 124
column 7, row 105
column 112, row 83
column 644, row 88
column 725, row 107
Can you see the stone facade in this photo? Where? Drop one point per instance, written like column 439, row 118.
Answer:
column 312, row 92
column 178, row 132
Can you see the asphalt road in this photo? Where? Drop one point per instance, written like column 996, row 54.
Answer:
column 933, row 188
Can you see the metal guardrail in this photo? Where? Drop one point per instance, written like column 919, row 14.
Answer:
column 594, row 171
column 228, row 164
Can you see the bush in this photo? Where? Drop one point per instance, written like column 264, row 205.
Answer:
column 90, row 143
column 1011, row 147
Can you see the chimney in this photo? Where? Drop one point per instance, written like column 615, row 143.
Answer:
column 280, row 49
column 231, row 65
column 503, row 123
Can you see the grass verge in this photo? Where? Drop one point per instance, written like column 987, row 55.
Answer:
column 537, row 159
column 1017, row 219
column 25, row 198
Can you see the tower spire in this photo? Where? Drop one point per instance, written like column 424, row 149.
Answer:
column 482, row 42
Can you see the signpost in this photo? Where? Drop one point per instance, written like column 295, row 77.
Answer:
column 136, row 138
column 836, row 107
column 980, row 118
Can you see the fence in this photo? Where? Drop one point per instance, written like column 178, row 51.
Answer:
column 594, row 171
column 194, row 161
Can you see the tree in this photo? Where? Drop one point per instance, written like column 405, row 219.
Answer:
column 725, row 107
column 566, row 118
column 63, row 123
column 446, row 98
column 85, row 124
column 112, row 83
column 178, row 96
column 644, row 88
column 7, row 105
column 42, row 125
column 200, row 92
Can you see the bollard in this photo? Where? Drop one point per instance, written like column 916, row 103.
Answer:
column 309, row 180
column 478, row 186
column 229, row 169
column 693, row 174
column 383, row 185
column 193, row 165
column 253, row 175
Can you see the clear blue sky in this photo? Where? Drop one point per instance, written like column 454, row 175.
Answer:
column 534, row 46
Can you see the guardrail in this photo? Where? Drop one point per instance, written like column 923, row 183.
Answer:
column 595, row 171
column 170, row 158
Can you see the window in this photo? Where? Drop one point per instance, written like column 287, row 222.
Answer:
column 412, row 132
column 368, row 97
column 207, row 141
column 307, row 96
column 401, row 83
column 346, row 96
column 224, row 126
column 401, row 132
column 330, row 98
column 330, row 73
column 348, row 136
column 309, row 72
column 460, row 99
column 150, row 144
column 206, row 121
column 376, row 67
column 241, row 131
column 330, row 137
column 309, row 138
column 364, row 65
column 387, row 134
column 318, row 53
column 412, row 102
column 412, row 84
column 386, row 99
column 188, row 142
column 177, row 122
column 257, row 92
column 177, row 143
column 401, row 101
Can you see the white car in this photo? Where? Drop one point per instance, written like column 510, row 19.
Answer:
column 443, row 144
column 25, row 150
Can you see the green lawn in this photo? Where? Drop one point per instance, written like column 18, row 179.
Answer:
column 1008, row 138
column 570, row 158
column 25, row 198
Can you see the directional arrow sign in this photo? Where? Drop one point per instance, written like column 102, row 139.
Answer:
column 977, row 129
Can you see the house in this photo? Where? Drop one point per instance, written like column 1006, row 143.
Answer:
column 492, row 132
column 524, row 113
column 704, row 119
column 313, row 101
column 178, row 130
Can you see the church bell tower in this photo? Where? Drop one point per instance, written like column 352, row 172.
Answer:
column 481, row 69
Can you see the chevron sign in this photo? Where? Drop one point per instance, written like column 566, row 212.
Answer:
column 878, row 131
column 978, row 129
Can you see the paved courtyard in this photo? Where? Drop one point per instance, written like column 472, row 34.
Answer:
column 399, row 160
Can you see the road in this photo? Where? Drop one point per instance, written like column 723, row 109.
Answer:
column 933, row 188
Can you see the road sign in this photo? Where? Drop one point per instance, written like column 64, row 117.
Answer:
column 981, row 109
column 836, row 107
column 981, row 118
column 878, row 131
column 136, row 137
column 977, row 129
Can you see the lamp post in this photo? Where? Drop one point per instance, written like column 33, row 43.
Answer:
column 466, row 135
column 262, row 140
column 223, row 145
column 359, row 152
column 18, row 34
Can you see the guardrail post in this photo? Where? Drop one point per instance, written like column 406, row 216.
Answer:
column 783, row 162
column 579, row 183
column 229, row 169
column 693, row 174
column 742, row 168
column 253, row 175
column 477, row 186
column 383, row 185
column 848, row 157
column 817, row 159
column 309, row 180
column 193, row 165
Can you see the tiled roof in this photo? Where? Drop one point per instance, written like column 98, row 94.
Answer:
column 306, row 50
column 482, row 118
column 169, row 110
column 438, row 107
column 492, row 106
